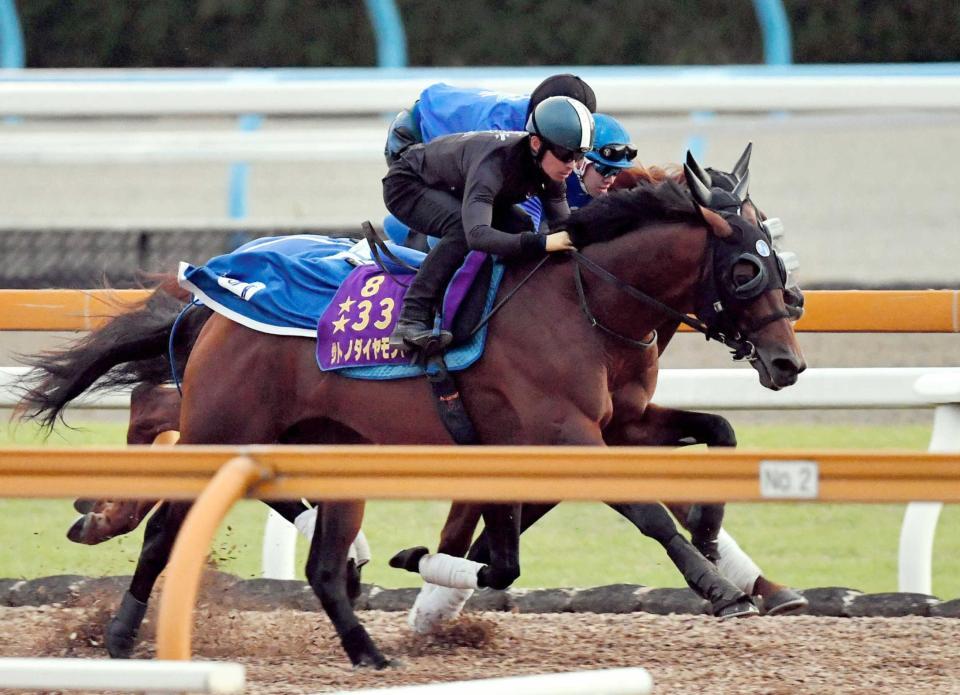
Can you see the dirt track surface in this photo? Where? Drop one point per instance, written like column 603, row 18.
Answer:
column 294, row 652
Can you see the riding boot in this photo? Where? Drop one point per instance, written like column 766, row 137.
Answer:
column 415, row 324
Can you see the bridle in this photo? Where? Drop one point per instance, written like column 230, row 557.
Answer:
column 717, row 324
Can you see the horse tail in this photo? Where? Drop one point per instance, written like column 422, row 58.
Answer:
column 131, row 348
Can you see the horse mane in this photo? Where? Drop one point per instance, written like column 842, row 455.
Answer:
column 621, row 211
column 630, row 178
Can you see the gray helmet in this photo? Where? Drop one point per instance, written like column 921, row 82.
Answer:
column 563, row 122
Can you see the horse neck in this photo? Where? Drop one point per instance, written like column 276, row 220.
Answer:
column 663, row 261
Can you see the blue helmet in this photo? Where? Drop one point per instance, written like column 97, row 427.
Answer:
column 611, row 144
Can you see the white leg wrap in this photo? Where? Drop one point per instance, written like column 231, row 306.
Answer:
column 360, row 549
column 735, row 564
column 435, row 604
column 447, row 570
column 306, row 522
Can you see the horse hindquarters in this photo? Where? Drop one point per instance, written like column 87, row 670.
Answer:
column 244, row 387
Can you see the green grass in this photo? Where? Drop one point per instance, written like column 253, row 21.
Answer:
column 578, row 544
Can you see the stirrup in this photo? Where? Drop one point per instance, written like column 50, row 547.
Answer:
column 409, row 337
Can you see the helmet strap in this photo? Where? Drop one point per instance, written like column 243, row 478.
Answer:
column 538, row 156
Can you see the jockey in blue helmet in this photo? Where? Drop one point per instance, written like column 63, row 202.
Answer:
column 612, row 153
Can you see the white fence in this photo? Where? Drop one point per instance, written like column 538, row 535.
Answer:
column 620, row 90
column 128, row 675
column 936, row 388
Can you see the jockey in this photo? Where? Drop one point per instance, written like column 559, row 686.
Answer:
column 443, row 109
column 611, row 154
column 464, row 188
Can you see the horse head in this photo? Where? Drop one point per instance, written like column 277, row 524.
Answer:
column 730, row 191
column 747, row 304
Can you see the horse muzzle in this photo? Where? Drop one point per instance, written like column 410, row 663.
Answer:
column 778, row 368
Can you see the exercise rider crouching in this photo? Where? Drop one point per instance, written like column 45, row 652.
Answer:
column 463, row 188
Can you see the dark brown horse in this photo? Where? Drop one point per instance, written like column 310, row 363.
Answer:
column 547, row 377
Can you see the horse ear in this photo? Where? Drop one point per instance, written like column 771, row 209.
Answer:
column 719, row 226
column 701, row 194
column 742, row 188
column 701, row 174
column 743, row 164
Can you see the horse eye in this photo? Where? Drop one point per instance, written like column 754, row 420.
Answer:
column 744, row 273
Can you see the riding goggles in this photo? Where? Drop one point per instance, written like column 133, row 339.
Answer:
column 606, row 170
column 617, row 153
column 564, row 154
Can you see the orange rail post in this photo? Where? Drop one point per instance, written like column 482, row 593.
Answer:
column 175, row 618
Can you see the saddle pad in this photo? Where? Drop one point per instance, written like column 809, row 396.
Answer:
column 281, row 285
column 353, row 332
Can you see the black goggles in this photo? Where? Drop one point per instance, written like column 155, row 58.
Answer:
column 617, row 153
column 565, row 155
column 606, row 170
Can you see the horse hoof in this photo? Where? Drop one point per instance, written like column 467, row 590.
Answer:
column 784, row 602
column 744, row 608
column 377, row 663
column 77, row 531
column 83, row 506
column 409, row 559
column 119, row 640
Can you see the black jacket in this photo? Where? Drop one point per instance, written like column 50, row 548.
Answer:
column 487, row 169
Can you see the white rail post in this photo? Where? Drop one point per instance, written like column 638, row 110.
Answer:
column 915, row 573
column 279, row 548
column 135, row 675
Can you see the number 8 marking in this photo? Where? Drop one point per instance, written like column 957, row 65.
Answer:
column 372, row 286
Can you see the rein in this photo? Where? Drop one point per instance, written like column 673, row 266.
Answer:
column 742, row 348
column 605, row 275
column 379, row 248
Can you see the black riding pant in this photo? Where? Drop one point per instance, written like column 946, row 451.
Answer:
column 437, row 213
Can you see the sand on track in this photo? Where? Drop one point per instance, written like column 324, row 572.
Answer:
column 295, row 652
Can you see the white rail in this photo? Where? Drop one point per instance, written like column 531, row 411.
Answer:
column 135, row 675
column 620, row 92
column 711, row 389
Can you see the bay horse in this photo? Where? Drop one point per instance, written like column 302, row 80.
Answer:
column 711, row 188
column 546, row 376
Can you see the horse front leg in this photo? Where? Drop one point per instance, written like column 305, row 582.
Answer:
column 659, row 426
column 337, row 527
column 669, row 427
column 458, row 529
column 701, row 575
column 121, row 634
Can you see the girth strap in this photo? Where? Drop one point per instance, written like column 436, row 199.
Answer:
column 449, row 404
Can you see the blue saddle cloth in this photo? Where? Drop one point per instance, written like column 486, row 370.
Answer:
column 283, row 285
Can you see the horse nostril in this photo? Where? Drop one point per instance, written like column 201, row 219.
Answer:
column 786, row 366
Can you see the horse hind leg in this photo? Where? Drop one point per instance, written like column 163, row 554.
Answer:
column 502, row 523
column 161, row 531
column 337, row 526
